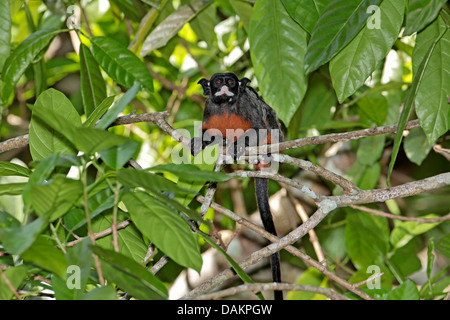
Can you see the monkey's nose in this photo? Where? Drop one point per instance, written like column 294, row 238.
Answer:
column 224, row 90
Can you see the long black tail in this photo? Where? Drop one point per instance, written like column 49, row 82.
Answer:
column 262, row 197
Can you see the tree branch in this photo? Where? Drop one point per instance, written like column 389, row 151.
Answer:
column 325, row 205
column 332, row 137
column 100, row 234
column 263, row 253
column 330, row 293
column 348, row 186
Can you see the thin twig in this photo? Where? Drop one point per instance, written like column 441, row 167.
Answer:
column 312, row 234
column 372, row 277
column 256, row 287
column 443, row 151
column 9, row 285
column 169, row 85
column 277, row 177
column 85, row 20
column 201, row 68
column 348, row 186
column 332, row 137
column 161, row 263
column 115, row 234
column 393, row 216
column 14, row 143
column 100, row 234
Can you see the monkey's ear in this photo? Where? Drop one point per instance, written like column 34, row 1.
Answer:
column 243, row 83
column 206, row 87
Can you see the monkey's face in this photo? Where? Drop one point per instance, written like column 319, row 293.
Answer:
column 223, row 87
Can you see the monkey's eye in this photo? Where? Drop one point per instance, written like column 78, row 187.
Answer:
column 231, row 82
column 218, row 81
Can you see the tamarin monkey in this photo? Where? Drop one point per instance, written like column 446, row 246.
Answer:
column 235, row 114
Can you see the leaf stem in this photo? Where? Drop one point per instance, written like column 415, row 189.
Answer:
column 115, row 241
column 88, row 219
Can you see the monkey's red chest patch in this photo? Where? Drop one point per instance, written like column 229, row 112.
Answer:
column 219, row 124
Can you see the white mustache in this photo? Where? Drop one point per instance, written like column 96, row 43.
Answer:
column 224, row 90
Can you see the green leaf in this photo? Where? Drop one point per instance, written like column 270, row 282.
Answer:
column 122, row 65
column 5, row 32
column 305, row 12
column 91, row 140
column 318, row 103
column 404, row 231
column 99, row 111
column 420, row 14
column 436, row 286
column 165, row 228
column 111, row 114
column 366, row 238
column 170, row 26
column 443, row 245
column 365, row 176
column 101, row 293
column 40, row 76
column 17, row 239
column 311, row 277
column 431, row 102
column 132, row 9
column 130, row 276
column 418, row 79
column 191, row 213
column 351, row 67
column 205, row 161
column 85, row 139
column 56, row 196
column 93, row 88
column 416, row 146
column 149, row 181
column 382, row 283
column 43, row 139
column 12, row 189
column 203, row 25
column 79, row 257
column 191, row 172
column 332, row 241
column 239, row 271
column 8, row 221
column 40, row 172
column 375, row 106
column 129, row 239
column 430, row 258
column 15, row 277
column 405, row 259
column 406, row 291
column 244, row 11
column 145, row 26
column 278, row 48
column 370, row 149
column 99, row 202
column 16, row 64
column 44, row 254
column 338, row 24
column 117, row 156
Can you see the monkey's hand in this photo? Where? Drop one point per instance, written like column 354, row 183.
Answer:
column 200, row 143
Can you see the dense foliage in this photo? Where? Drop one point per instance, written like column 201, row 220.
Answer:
column 70, row 68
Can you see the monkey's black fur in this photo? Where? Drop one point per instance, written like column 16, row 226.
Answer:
column 234, row 105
